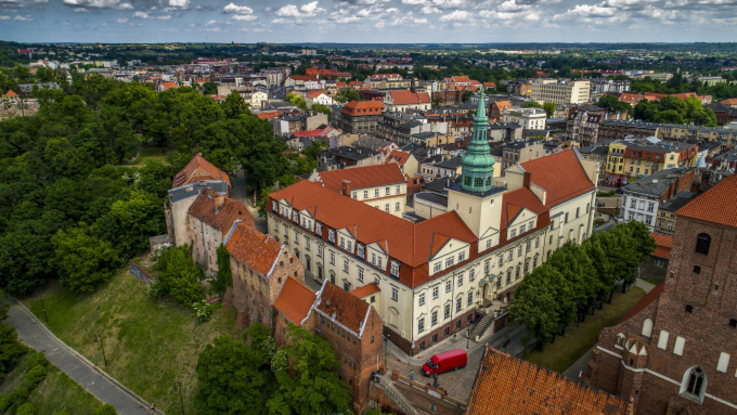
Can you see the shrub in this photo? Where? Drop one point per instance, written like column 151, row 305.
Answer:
column 38, row 359
column 10, row 349
column 62, row 413
column 155, row 289
column 204, row 311
column 35, row 376
column 22, row 392
column 26, row 409
column 106, row 409
column 4, row 401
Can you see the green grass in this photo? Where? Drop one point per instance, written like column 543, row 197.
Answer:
column 650, row 280
column 150, row 153
column 149, row 343
column 58, row 392
column 567, row 349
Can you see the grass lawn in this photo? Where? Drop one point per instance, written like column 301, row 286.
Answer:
column 58, row 392
column 567, row 349
column 149, row 343
column 151, row 153
column 651, row 281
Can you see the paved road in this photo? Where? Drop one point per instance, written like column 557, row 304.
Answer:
column 98, row 383
column 605, row 227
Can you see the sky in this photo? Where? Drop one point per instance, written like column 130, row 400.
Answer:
column 362, row 21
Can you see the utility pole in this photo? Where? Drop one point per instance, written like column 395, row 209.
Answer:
column 99, row 336
column 44, row 307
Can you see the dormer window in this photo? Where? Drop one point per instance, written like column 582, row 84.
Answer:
column 318, row 228
column 304, row 222
column 342, row 242
column 522, row 229
column 348, row 246
column 395, row 269
column 436, row 267
column 359, row 250
column 449, row 262
column 331, row 235
column 513, row 233
column 275, row 207
column 295, row 216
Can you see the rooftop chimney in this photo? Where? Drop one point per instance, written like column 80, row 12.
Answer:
column 526, row 179
column 347, row 188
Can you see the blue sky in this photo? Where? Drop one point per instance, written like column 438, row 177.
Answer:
column 368, row 20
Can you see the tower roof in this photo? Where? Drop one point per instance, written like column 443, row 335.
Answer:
column 478, row 163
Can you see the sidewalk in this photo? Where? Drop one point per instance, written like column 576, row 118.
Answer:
column 89, row 376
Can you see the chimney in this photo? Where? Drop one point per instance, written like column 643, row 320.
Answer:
column 219, row 200
column 347, row 188
column 526, row 179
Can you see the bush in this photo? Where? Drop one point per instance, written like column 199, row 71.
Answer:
column 155, row 289
column 180, row 275
column 26, row 409
column 4, row 401
column 37, row 359
column 22, row 392
column 204, row 310
column 35, row 376
column 62, row 413
column 106, row 409
column 10, row 349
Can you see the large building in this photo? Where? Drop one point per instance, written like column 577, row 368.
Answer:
column 631, row 160
column 672, row 353
column 619, row 129
column 642, row 199
column 360, row 117
column 560, row 91
column 468, row 246
column 528, row 118
column 406, row 100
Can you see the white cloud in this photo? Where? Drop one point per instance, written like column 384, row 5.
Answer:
column 182, row 4
column 457, row 15
column 4, row 17
column 211, row 22
column 125, row 6
column 21, row 3
column 123, row 20
column 80, row 10
column 95, row 4
column 430, row 10
column 164, row 17
column 244, row 17
column 306, row 10
column 233, row 8
column 267, row 10
column 495, row 15
column 140, row 15
column 23, row 18
column 379, row 25
column 213, row 29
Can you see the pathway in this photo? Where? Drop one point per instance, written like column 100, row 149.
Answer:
column 89, row 376
column 238, row 192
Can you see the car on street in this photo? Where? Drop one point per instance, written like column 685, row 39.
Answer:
column 445, row 362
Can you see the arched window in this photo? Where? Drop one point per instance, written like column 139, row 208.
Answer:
column 702, row 244
column 647, row 327
column 694, row 384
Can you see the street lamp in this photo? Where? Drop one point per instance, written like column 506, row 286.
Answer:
column 181, row 399
column 39, row 297
column 99, row 336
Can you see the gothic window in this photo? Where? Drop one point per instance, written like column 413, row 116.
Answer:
column 694, row 384
column 702, row 244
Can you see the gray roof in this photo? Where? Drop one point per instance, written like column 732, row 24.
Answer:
column 655, row 184
column 504, row 126
column 631, row 124
column 729, row 156
column 178, row 194
column 453, row 163
column 678, row 201
column 425, row 135
column 349, row 153
column 371, row 143
column 522, row 143
column 433, row 197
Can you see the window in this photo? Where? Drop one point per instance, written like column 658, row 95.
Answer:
column 472, row 275
column 331, row 236
column 650, row 207
column 534, row 262
column 448, row 286
column 422, row 299
column 461, row 256
column 346, row 266
column 732, row 323
column 319, row 251
column 349, row 246
column 446, row 312
column 395, row 294
column 694, row 384
column 435, row 292
column 517, row 273
column 702, row 244
column 420, row 323
column 332, row 257
column 395, row 269
column 365, row 194
column 501, row 260
column 577, row 212
column 460, row 280
column 399, row 189
column 530, row 225
column 689, row 309
column 459, row 304
column 376, row 192
column 522, row 229
column 434, row 320
column 529, row 246
column 307, row 242
column 449, row 262
column 469, row 301
column 355, row 195
column 566, row 218
column 379, row 263
column 342, row 242
column 396, row 206
column 276, row 227
column 436, row 267
column 551, row 239
column 696, row 269
column 510, row 255
column 519, row 250
column 633, row 204
column 377, row 280
column 512, row 234
column 488, row 244
column 360, row 274
column 527, row 267
column 296, row 238
column 387, row 191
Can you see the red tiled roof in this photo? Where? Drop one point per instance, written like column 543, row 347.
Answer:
column 221, row 215
column 295, row 300
column 489, row 84
column 366, row 290
column 340, row 84
column 314, row 94
column 460, row 79
column 360, row 177
column 506, row 385
column 269, row 115
column 309, row 133
column 355, row 83
column 407, row 242
column 199, row 169
column 349, row 310
column 664, row 245
column 515, row 201
column 363, row 108
column 10, row 94
column 408, row 97
column 561, row 175
column 169, row 85
column 642, row 304
column 254, row 249
column 716, row 205
column 303, row 78
column 730, row 101
column 399, row 156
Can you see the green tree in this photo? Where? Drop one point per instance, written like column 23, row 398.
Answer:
column 224, row 275
column 613, row 105
column 106, row 409
column 466, row 95
column 35, row 376
column 536, row 308
column 532, row 104
column 235, row 106
column 229, row 379
column 646, row 110
column 84, row 260
column 604, row 269
column 437, row 101
column 348, row 95
column 669, row 117
column 180, row 276
column 26, row 409
column 129, row 223
column 315, row 388
column 315, row 147
column 297, row 100
column 10, row 349
column 549, row 108
column 576, row 267
column 323, row 109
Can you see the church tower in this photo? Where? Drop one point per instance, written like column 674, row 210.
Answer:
column 478, row 163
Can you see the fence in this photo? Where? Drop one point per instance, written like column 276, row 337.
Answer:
column 139, row 272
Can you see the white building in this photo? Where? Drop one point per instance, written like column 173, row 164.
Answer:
column 528, row 118
column 560, row 91
column 318, row 97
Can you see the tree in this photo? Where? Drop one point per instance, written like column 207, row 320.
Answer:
column 10, row 349
column 84, row 260
column 669, row 117
column 571, row 261
column 604, row 269
column 536, row 308
column 106, row 409
column 235, row 106
column 549, row 108
column 315, row 388
column 437, row 101
column 180, row 275
column 348, row 95
column 466, row 95
column 26, row 409
column 224, row 275
column 229, row 380
column 210, row 88
column 315, row 147
column 613, row 105
column 323, row 109
column 532, row 104
column 297, row 100
column 646, row 110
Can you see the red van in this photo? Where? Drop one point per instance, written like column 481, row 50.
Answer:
column 445, row 362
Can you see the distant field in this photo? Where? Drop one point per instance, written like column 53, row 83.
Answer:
column 567, row 349
column 149, row 343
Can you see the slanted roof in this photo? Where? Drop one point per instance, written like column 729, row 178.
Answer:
column 169, row 85
column 366, row 290
column 399, row 156
column 664, row 245
column 309, row 133
column 515, row 201
column 360, row 177
column 506, row 385
column 11, row 94
column 407, row 97
column 295, row 300
column 349, row 310
column 252, row 248
column 716, row 205
column 561, row 175
column 220, row 212
column 199, row 169
column 730, row 101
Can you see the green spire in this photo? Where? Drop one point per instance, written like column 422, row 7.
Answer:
column 478, row 163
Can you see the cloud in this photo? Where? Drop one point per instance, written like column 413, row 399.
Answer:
column 306, row 10
column 211, row 22
column 164, row 17
column 125, row 6
column 23, row 18
column 140, row 15
column 233, row 8
column 213, row 29
column 267, row 10
column 455, row 16
column 93, row 4
column 123, row 20
column 80, row 10
column 244, row 17
column 182, row 4
column 21, row 3
column 4, row 17
column 204, row 8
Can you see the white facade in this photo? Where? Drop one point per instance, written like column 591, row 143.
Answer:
column 321, row 99
column 640, row 207
column 560, row 91
column 528, row 118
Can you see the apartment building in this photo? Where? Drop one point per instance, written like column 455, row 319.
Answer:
column 727, row 137
column 666, row 220
column 527, row 118
column 560, row 91
column 631, row 160
column 521, row 152
column 406, row 100
column 642, row 199
column 582, row 123
column 618, row 129
column 360, row 117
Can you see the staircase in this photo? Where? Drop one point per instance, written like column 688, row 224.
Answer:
column 398, row 397
column 480, row 327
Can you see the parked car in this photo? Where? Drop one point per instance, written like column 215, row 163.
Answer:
column 620, row 191
column 445, row 362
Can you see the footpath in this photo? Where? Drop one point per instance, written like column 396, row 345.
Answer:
column 76, row 366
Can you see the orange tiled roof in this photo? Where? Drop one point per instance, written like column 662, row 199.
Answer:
column 366, row 290
column 716, row 205
column 363, row 108
column 10, row 94
column 460, row 79
column 295, row 300
column 653, row 295
column 399, row 156
column 489, row 85
column 360, row 177
column 252, row 248
column 506, row 385
column 303, row 78
column 314, row 94
column 502, row 105
column 408, row 97
column 222, row 215
column 515, row 201
column 730, row 101
column 349, row 310
column 169, row 85
column 560, row 175
column 268, row 115
column 664, row 245
column 199, row 169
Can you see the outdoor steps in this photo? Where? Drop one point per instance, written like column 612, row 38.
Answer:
column 480, row 327
column 398, row 397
